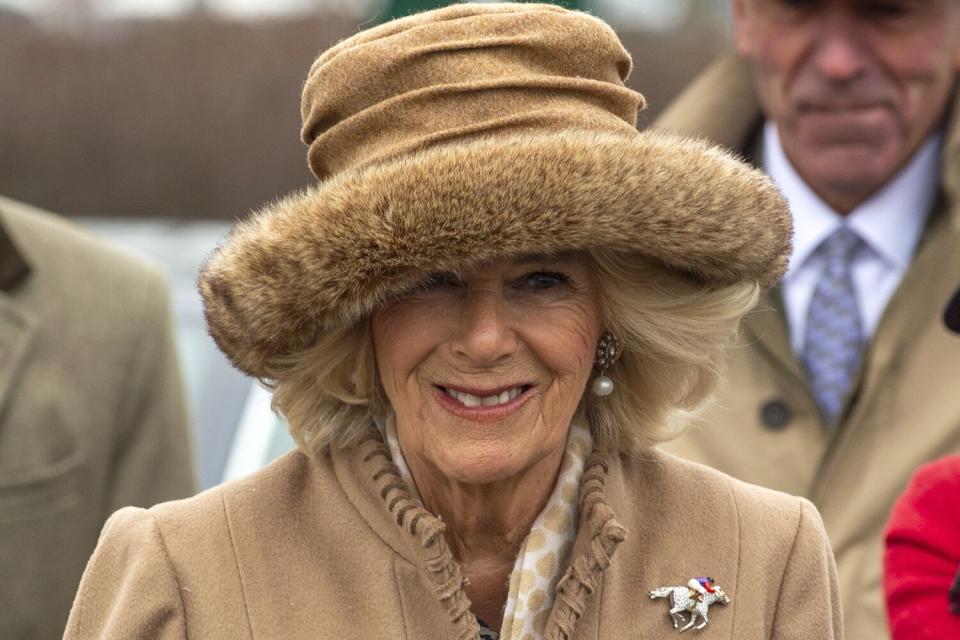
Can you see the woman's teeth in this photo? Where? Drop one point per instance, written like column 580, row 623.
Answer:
column 469, row 400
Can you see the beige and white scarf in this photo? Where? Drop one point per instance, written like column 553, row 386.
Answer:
column 546, row 550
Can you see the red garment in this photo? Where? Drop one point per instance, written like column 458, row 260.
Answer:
column 923, row 554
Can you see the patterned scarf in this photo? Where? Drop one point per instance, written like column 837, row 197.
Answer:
column 545, row 551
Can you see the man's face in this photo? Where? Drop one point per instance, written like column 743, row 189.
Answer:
column 854, row 86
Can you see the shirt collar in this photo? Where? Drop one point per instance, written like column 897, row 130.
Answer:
column 890, row 222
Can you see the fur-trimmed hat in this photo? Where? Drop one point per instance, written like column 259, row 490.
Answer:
column 467, row 134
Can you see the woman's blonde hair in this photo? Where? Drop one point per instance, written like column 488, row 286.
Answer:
column 673, row 335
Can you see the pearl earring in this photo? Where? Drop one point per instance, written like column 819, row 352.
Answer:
column 607, row 352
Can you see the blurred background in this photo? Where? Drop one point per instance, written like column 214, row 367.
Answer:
column 159, row 123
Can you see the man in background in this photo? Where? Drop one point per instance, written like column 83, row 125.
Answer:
column 92, row 413
column 847, row 379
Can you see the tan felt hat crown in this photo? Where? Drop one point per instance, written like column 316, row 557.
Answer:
column 467, row 134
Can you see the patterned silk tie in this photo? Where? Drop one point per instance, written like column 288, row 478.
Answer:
column 834, row 340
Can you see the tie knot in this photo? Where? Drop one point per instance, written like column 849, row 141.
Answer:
column 841, row 245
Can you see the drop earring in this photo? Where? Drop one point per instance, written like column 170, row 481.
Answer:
column 607, row 351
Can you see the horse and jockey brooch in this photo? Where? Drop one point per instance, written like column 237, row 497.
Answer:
column 694, row 599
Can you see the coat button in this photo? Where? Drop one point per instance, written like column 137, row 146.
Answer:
column 775, row 414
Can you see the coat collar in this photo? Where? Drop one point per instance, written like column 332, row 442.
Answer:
column 645, row 491
column 14, row 268
column 373, row 484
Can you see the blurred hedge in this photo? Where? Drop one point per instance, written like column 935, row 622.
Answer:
column 199, row 117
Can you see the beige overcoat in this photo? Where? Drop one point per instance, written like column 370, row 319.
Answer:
column 764, row 426
column 92, row 413
column 335, row 548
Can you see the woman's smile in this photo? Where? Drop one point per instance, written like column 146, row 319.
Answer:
column 483, row 405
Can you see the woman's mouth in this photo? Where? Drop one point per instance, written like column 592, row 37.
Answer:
column 491, row 400
column 482, row 404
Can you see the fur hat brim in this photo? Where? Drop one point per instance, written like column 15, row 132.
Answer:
column 327, row 256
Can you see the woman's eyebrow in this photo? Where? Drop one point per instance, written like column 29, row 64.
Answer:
column 528, row 258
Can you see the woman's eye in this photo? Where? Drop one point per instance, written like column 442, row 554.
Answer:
column 545, row 280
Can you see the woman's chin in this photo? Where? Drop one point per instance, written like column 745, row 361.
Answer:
column 482, row 453
column 482, row 469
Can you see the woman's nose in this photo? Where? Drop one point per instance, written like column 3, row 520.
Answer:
column 484, row 333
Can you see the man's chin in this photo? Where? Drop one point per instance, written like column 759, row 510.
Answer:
column 845, row 175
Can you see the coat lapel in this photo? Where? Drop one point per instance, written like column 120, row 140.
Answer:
column 950, row 173
column 676, row 530
column 17, row 328
column 907, row 314
column 373, row 484
column 17, row 323
column 599, row 535
column 765, row 327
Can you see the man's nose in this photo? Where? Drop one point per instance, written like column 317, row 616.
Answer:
column 840, row 53
column 484, row 334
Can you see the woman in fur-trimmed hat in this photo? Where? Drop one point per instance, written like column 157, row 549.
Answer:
column 495, row 302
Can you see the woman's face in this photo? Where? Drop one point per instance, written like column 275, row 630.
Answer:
column 485, row 369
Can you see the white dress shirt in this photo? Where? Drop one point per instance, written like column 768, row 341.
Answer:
column 890, row 224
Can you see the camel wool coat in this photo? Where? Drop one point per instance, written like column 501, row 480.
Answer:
column 335, row 548
column 92, row 409
column 764, row 426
